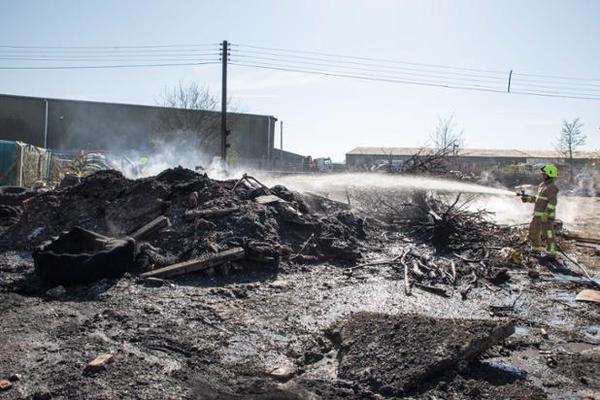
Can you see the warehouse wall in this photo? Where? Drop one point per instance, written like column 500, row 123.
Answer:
column 288, row 161
column 22, row 118
column 363, row 161
column 74, row 125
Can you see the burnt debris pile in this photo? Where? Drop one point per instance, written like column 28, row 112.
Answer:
column 180, row 215
column 445, row 242
column 441, row 220
column 401, row 354
column 446, row 225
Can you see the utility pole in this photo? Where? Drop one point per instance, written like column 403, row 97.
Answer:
column 224, row 131
column 281, row 144
column 45, row 123
column 281, row 135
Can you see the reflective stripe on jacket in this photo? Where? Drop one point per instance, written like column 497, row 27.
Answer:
column 545, row 201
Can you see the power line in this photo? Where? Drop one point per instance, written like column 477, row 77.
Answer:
column 245, row 53
column 106, row 66
column 418, row 83
column 107, row 59
column 558, row 89
column 301, row 61
column 553, row 95
column 324, row 73
column 109, row 47
column 92, row 53
column 559, row 77
column 556, row 92
column 548, row 85
column 368, row 58
column 369, row 72
column 370, row 67
column 538, row 81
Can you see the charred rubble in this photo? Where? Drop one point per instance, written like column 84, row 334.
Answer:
column 241, row 337
column 181, row 215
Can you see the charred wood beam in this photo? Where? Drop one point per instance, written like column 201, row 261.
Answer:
column 198, row 264
column 151, row 228
column 191, row 215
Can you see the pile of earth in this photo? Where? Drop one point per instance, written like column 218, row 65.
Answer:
column 110, row 204
column 410, row 354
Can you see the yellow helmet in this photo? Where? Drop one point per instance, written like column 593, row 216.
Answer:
column 550, row 170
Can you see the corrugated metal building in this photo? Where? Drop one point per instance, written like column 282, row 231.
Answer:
column 363, row 157
column 68, row 125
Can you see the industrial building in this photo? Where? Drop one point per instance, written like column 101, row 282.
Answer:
column 70, row 125
column 362, row 158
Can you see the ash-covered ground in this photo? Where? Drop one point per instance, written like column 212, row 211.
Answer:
column 318, row 308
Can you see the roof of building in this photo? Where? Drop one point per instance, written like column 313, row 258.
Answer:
column 500, row 153
column 123, row 104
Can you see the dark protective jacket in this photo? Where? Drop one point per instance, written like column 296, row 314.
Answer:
column 545, row 201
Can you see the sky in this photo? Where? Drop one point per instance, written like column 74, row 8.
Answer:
column 328, row 116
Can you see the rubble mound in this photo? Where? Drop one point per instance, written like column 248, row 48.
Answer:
column 399, row 354
column 206, row 216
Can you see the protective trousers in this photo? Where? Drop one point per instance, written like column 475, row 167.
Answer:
column 542, row 232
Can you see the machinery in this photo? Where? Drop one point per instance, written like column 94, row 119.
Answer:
column 323, row 165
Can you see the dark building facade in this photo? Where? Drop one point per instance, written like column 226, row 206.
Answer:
column 68, row 125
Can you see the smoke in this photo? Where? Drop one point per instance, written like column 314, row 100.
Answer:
column 165, row 154
column 586, row 182
column 505, row 206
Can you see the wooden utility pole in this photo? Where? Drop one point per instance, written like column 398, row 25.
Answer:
column 280, row 145
column 224, row 132
column 281, row 135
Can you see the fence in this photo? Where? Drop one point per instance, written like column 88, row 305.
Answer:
column 22, row 164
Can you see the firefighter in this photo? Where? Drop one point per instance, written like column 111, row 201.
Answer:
column 541, row 228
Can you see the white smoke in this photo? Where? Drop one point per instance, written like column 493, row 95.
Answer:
column 140, row 164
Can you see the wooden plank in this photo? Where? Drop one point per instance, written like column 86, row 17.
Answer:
column 100, row 362
column 191, row 215
column 432, row 289
column 407, row 290
column 583, row 239
column 151, row 228
column 5, row 385
column 197, row 264
column 589, row 295
column 269, row 199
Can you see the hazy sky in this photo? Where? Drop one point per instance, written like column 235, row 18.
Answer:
column 325, row 115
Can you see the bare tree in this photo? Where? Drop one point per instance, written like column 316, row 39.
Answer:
column 183, row 118
column 571, row 137
column 446, row 135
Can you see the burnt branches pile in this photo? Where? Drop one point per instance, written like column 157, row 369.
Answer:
column 442, row 220
column 446, row 226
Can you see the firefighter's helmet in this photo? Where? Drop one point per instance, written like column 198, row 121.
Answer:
column 550, row 170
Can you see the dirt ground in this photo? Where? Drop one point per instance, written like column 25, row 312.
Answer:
column 200, row 337
column 267, row 334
